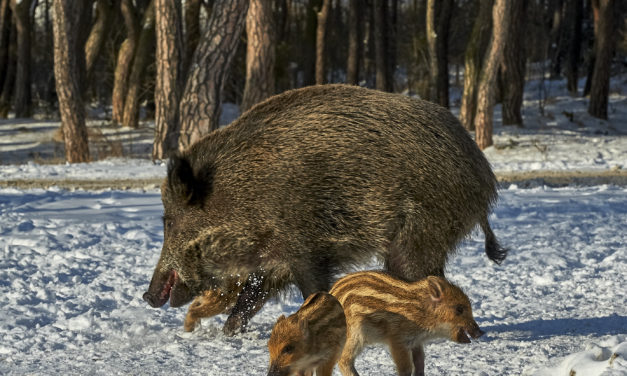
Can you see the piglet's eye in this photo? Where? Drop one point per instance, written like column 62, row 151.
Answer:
column 459, row 309
column 288, row 349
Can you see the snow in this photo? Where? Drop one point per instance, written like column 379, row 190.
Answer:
column 75, row 263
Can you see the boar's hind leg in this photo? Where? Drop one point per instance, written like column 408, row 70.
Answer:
column 250, row 300
column 410, row 263
column 314, row 279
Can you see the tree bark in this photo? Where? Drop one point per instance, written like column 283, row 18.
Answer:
column 124, row 60
column 201, row 102
column 169, row 85
column 321, row 32
column 100, row 30
column 309, row 46
column 66, row 72
column 5, row 32
column 438, row 20
column 141, row 59
column 513, row 66
column 380, row 47
column 9, row 82
column 192, row 30
column 487, row 82
column 260, row 53
column 575, row 17
column 604, row 48
column 473, row 60
column 22, row 100
column 355, row 38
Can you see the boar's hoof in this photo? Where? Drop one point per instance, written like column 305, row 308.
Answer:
column 234, row 325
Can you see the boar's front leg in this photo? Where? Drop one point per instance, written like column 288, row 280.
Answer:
column 250, row 300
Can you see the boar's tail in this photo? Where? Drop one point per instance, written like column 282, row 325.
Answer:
column 493, row 249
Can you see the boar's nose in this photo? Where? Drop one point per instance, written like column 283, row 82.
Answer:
column 476, row 332
column 275, row 370
column 151, row 299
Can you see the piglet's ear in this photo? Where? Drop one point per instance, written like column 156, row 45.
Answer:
column 304, row 327
column 435, row 288
column 186, row 186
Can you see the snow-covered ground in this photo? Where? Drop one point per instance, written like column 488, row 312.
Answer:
column 75, row 263
column 74, row 266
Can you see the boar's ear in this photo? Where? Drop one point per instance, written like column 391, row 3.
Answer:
column 186, row 186
column 435, row 288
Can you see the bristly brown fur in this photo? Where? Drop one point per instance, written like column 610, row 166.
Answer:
column 313, row 182
column 382, row 309
column 309, row 340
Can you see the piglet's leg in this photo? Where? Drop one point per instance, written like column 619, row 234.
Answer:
column 418, row 356
column 326, row 369
column 401, row 357
column 250, row 300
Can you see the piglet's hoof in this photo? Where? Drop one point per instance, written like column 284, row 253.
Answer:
column 234, row 325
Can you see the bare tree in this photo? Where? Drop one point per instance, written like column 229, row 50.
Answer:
column 574, row 33
column 201, row 102
column 487, row 81
column 380, row 45
column 604, row 40
column 169, row 85
column 66, row 72
column 5, row 31
column 355, row 24
column 260, row 53
column 105, row 12
column 9, row 47
column 438, row 20
column 124, row 60
column 477, row 45
column 22, row 100
column 192, row 30
column 321, row 33
column 513, row 65
column 141, row 59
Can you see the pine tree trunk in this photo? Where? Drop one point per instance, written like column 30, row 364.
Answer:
column 124, row 60
column 5, row 31
column 604, row 48
column 169, row 85
column 473, row 60
column 192, row 30
column 260, row 54
column 201, row 102
column 487, row 81
column 575, row 17
column 513, row 66
column 355, row 24
column 66, row 72
column 438, row 21
column 321, row 32
column 100, row 31
column 141, row 59
column 380, row 46
column 22, row 101
column 309, row 46
column 9, row 82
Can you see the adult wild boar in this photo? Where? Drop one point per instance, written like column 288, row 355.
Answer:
column 315, row 180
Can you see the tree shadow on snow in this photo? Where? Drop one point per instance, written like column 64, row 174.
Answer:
column 539, row 329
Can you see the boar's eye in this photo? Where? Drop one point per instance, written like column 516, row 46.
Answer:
column 288, row 349
column 167, row 223
column 459, row 309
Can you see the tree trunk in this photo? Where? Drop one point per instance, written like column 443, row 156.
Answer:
column 201, row 102
column 321, row 33
column 260, row 53
column 105, row 13
column 192, row 30
column 22, row 100
column 309, row 46
column 438, row 20
column 557, row 38
column 5, row 32
column 575, row 17
column 513, row 66
column 594, row 5
column 477, row 45
column 487, row 81
column 380, row 47
column 66, row 72
column 603, row 48
column 9, row 82
column 124, row 60
column 355, row 16
column 141, row 59
column 169, row 85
